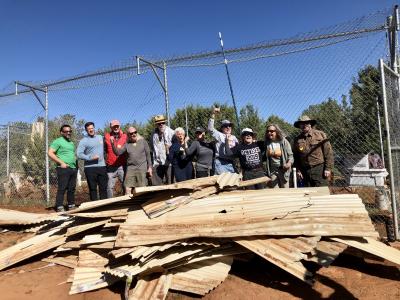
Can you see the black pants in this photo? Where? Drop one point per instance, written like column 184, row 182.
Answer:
column 314, row 176
column 97, row 176
column 253, row 174
column 204, row 173
column 66, row 182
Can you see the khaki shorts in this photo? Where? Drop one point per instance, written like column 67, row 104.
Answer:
column 135, row 178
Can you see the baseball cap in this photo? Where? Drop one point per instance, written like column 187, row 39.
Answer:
column 247, row 130
column 226, row 123
column 199, row 129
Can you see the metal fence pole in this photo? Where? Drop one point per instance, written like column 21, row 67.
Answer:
column 8, row 151
column 389, row 150
column 166, row 92
column 47, row 146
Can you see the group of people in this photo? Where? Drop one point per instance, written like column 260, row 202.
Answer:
column 171, row 158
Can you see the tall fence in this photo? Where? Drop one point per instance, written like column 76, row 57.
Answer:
column 330, row 74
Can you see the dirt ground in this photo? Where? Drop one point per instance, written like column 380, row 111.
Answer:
column 350, row 277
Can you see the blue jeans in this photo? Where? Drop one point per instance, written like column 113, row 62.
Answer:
column 223, row 167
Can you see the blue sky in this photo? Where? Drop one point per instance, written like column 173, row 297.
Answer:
column 52, row 39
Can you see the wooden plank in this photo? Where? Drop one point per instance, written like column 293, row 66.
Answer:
column 248, row 215
column 372, row 246
column 154, row 286
column 192, row 184
column 103, row 214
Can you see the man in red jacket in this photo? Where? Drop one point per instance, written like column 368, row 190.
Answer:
column 115, row 164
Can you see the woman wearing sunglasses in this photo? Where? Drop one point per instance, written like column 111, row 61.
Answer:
column 279, row 157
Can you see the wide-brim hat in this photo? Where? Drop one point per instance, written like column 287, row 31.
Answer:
column 225, row 123
column 247, row 131
column 159, row 119
column 304, row 119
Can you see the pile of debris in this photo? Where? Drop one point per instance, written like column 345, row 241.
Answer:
column 185, row 236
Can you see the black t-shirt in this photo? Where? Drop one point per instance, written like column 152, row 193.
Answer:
column 250, row 156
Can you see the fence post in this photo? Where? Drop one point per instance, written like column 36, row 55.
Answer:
column 389, row 151
column 8, row 151
column 166, row 92
column 47, row 146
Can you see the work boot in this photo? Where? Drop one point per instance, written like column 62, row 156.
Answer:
column 60, row 209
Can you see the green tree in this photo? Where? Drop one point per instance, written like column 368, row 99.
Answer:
column 288, row 129
column 364, row 93
column 249, row 118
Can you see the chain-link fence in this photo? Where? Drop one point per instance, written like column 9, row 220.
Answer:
column 330, row 74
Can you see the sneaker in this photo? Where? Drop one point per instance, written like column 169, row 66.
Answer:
column 60, row 209
column 71, row 206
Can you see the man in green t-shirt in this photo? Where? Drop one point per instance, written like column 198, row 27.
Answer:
column 62, row 151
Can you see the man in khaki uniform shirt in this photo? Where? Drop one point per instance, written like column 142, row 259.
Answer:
column 313, row 155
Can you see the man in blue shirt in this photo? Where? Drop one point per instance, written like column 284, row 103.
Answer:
column 91, row 151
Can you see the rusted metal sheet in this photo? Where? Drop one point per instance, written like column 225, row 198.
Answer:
column 247, row 215
column 201, row 277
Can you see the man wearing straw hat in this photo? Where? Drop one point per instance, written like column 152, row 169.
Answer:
column 161, row 141
column 313, row 155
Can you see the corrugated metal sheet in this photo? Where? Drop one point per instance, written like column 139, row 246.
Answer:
column 326, row 252
column 372, row 246
column 228, row 179
column 89, row 275
column 154, row 286
column 33, row 246
column 136, row 267
column 201, row 277
column 13, row 217
column 245, row 215
column 68, row 260
column 285, row 253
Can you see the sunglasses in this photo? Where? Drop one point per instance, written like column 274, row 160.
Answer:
column 67, row 131
column 133, row 132
column 159, row 124
column 226, row 126
column 271, row 130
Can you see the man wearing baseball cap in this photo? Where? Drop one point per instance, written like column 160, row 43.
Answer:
column 222, row 163
column 115, row 164
column 313, row 154
column 161, row 141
